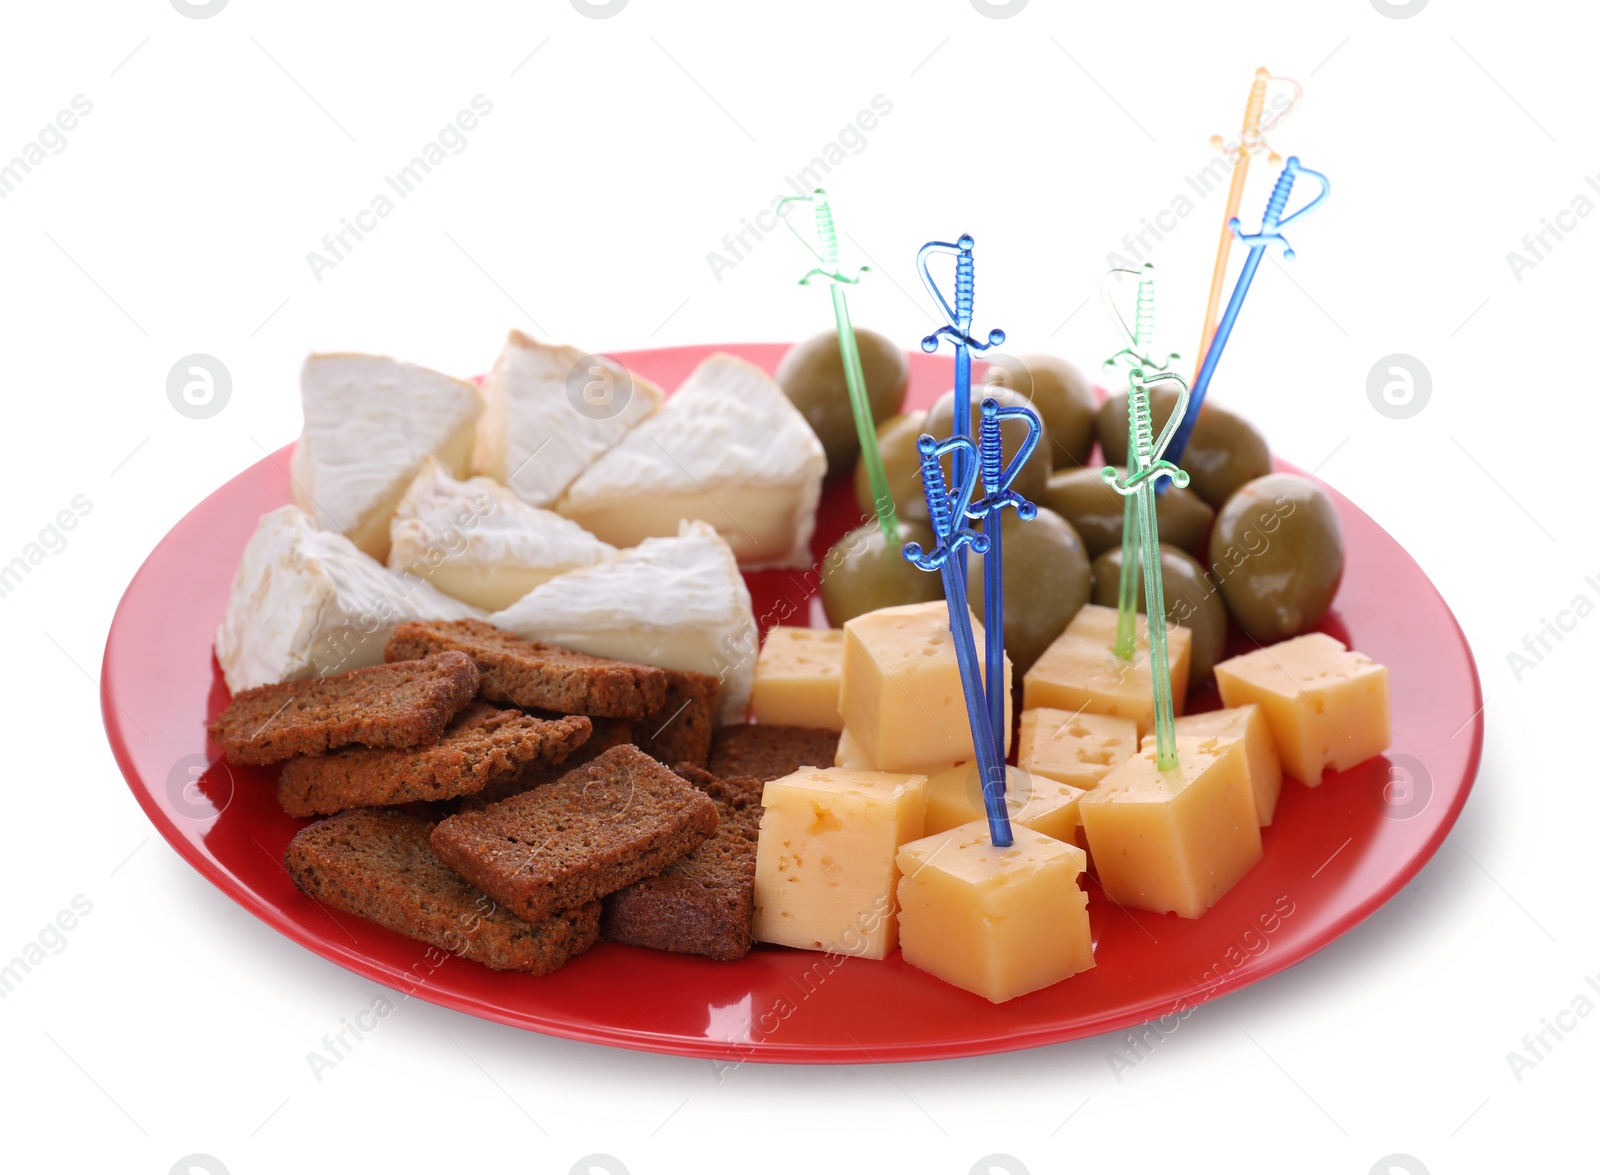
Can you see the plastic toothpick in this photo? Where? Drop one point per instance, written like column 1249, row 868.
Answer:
column 1272, row 222
column 1145, row 463
column 997, row 477
column 1138, row 357
column 958, row 329
column 1250, row 143
column 860, row 406
column 947, row 513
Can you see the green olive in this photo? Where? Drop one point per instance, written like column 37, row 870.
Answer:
column 1278, row 552
column 1224, row 451
column 1092, row 507
column 861, row 574
column 812, row 375
column 902, row 465
column 1191, row 599
column 1083, row 498
column 1034, row 474
column 1183, row 518
column 1111, row 423
column 1045, row 581
column 1061, row 395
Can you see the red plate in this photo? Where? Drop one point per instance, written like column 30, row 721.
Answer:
column 1333, row 854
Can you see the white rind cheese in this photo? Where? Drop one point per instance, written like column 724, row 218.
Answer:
column 679, row 603
column 307, row 603
column 477, row 541
column 370, row 422
column 547, row 417
column 730, row 449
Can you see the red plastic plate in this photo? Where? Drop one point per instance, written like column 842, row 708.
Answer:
column 1332, row 855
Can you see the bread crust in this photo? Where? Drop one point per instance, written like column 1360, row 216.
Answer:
column 377, row 864
column 534, row 675
column 703, row 904
column 484, row 745
column 598, row 828
column 770, row 752
column 404, row 704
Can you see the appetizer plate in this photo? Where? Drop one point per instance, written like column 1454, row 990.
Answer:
column 1333, row 855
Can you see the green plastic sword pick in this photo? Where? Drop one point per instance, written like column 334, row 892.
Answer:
column 1145, row 464
column 1140, row 336
column 860, row 406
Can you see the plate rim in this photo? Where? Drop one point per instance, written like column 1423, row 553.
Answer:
column 1259, row 967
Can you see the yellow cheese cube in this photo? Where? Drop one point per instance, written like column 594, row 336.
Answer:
column 850, row 753
column 1260, row 753
column 825, row 858
column 797, row 678
column 1080, row 673
column 1174, row 840
column 996, row 922
column 955, row 797
column 1327, row 706
column 901, row 695
column 1074, row 748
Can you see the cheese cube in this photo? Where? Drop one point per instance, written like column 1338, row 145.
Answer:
column 797, row 678
column 996, row 922
column 901, row 691
column 825, row 858
column 1074, row 748
column 955, row 797
column 1174, row 840
column 850, row 753
column 1260, row 754
column 1326, row 706
column 1079, row 671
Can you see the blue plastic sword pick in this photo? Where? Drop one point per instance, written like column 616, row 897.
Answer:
column 1145, row 463
column 958, row 329
column 951, row 534
column 997, row 477
column 1272, row 222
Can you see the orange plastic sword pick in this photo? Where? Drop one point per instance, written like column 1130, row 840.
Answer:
column 1250, row 143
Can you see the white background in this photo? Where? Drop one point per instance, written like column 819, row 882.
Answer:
column 178, row 217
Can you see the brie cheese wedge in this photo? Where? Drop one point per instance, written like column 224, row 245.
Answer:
column 370, row 422
column 477, row 541
column 679, row 603
column 306, row 603
column 551, row 411
column 730, row 449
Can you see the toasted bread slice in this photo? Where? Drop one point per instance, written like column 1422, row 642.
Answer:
column 404, row 704
column 598, row 828
column 377, row 864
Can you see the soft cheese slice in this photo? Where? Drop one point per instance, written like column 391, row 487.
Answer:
column 307, row 603
column 730, row 449
column 550, row 411
column 679, row 603
column 370, row 422
column 477, row 541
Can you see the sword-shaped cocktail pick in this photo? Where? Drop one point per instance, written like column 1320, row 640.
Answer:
column 997, row 477
column 860, row 406
column 948, row 515
column 1272, row 222
column 1140, row 338
column 958, row 329
column 1145, row 463
column 1250, row 143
